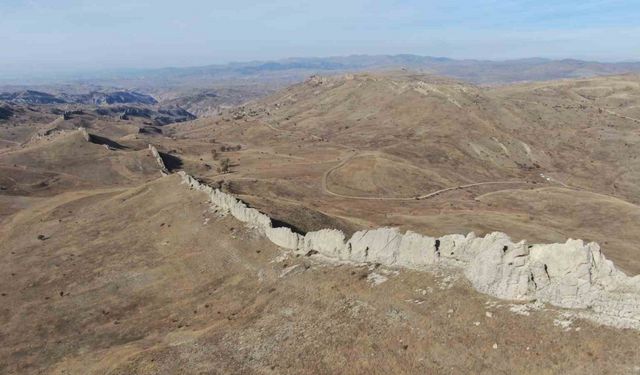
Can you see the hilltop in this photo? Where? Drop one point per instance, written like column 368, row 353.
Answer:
column 290, row 70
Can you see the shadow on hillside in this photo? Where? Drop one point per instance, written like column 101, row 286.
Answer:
column 282, row 224
column 275, row 223
column 150, row 130
column 171, row 162
column 106, row 141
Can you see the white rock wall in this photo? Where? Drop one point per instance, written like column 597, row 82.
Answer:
column 570, row 275
column 328, row 242
column 163, row 168
column 284, row 238
column 499, row 267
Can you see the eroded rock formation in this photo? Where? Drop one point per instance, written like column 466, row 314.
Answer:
column 85, row 134
column 163, row 168
column 569, row 275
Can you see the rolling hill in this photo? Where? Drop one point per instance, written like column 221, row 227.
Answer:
column 112, row 268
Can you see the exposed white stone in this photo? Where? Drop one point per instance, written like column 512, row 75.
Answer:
column 455, row 247
column 378, row 246
column 376, row 278
column 571, row 275
column 284, row 238
column 328, row 242
column 163, row 168
column 417, row 251
column 562, row 273
column 498, row 267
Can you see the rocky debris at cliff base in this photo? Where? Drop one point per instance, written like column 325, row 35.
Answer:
column 526, row 308
column 376, row 278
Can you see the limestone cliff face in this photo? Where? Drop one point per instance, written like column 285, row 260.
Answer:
column 163, row 168
column 570, row 275
column 499, row 267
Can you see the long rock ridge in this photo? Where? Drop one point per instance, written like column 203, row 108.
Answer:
column 572, row 275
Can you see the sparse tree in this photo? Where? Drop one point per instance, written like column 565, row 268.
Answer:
column 224, row 165
column 214, row 154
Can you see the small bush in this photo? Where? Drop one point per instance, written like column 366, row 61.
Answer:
column 224, row 165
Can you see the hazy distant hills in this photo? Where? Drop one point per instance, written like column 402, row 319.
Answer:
column 286, row 71
column 203, row 90
column 294, row 69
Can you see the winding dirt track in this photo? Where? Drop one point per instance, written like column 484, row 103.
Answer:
column 326, row 189
column 561, row 184
column 607, row 111
column 622, row 116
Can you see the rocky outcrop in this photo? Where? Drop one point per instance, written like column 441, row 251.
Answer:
column 85, row 134
column 569, row 275
column 95, row 97
column 125, row 112
column 118, row 97
column 171, row 115
column 160, row 116
column 30, row 97
column 163, row 169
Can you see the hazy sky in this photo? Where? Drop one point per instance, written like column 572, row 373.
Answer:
column 38, row 36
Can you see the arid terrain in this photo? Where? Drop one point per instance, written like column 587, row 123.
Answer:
column 110, row 267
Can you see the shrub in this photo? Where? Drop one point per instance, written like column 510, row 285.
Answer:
column 224, row 165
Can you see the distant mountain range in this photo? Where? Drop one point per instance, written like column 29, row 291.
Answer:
column 203, row 90
column 295, row 69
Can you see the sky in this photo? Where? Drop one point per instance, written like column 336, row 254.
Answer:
column 40, row 36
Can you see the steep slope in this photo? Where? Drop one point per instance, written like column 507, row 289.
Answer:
column 149, row 280
column 428, row 121
column 585, row 129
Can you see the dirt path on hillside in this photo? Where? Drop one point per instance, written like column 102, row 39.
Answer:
column 608, row 111
column 326, row 190
column 622, row 116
